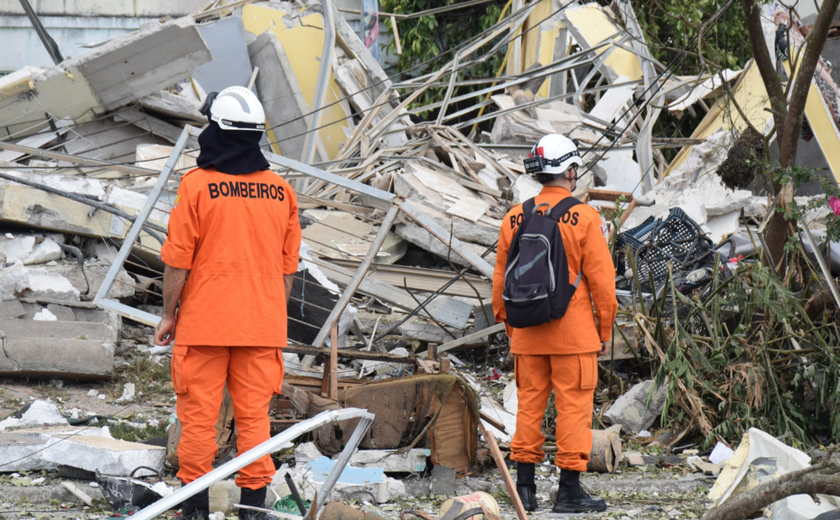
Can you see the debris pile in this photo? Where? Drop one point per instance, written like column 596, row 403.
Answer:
column 390, row 310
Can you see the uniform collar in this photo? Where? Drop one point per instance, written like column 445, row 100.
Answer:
column 556, row 190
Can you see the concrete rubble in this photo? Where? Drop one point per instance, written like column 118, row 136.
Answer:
column 401, row 201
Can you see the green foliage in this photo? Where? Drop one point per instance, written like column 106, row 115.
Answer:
column 428, row 38
column 758, row 361
column 671, row 28
column 800, row 176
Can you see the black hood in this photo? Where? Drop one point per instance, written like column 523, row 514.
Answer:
column 234, row 152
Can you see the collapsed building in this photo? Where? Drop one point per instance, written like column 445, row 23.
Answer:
column 390, row 305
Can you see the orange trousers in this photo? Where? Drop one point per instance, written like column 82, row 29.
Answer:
column 253, row 376
column 573, row 378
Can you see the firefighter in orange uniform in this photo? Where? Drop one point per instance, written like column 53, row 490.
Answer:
column 562, row 353
column 231, row 256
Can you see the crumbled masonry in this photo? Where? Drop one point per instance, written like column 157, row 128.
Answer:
column 722, row 372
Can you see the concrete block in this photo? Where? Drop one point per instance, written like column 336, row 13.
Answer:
column 13, row 280
column 138, row 64
column 63, row 313
column 155, row 126
column 13, row 329
column 173, row 106
column 16, row 249
column 11, row 309
column 422, row 188
column 112, row 75
column 45, row 284
column 281, row 96
column 301, row 34
column 45, row 251
column 413, row 461
column 427, row 332
column 630, row 410
column 56, row 358
column 104, row 455
column 425, row 240
column 123, row 285
column 110, row 319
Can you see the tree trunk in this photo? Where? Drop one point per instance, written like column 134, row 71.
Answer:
column 787, row 117
column 803, row 482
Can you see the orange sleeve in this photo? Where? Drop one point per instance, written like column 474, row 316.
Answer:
column 291, row 242
column 179, row 249
column 598, row 268
column 499, row 272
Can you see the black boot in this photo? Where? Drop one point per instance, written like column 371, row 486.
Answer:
column 526, row 486
column 197, row 507
column 571, row 498
column 254, row 498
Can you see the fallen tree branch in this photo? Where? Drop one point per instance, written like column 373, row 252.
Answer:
column 809, row 481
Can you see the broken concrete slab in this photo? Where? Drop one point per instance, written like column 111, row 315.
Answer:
column 281, row 96
column 630, row 410
column 174, row 106
column 94, row 451
column 428, row 332
column 14, row 329
column 57, row 358
column 341, row 236
column 155, row 157
column 41, row 283
column 425, row 240
column 305, row 35
column 11, row 309
column 63, row 313
column 112, row 75
column 448, row 311
column 154, row 126
column 435, row 194
column 412, row 461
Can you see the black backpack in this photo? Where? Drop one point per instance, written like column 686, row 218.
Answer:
column 537, row 288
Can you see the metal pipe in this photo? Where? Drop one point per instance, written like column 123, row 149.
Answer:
column 134, row 231
column 321, row 85
column 271, row 445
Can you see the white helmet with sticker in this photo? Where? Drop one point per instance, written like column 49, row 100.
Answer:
column 235, row 108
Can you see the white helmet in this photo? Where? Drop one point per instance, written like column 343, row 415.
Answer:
column 235, row 108
column 552, row 156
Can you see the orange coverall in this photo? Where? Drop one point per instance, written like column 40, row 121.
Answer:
column 238, row 235
column 562, row 354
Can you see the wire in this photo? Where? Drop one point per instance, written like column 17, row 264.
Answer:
column 675, row 62
column 419, row 65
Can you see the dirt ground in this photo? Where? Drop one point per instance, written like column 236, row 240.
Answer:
column 648, row 492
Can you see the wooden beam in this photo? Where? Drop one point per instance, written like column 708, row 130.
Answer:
column 499, row 327
column 308, row 350
column 506, row 478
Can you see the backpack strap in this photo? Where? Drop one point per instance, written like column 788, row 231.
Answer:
column 557, row 213
column 562, row 207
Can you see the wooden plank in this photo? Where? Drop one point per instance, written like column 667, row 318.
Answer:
column 307, row 350
column 396, row 34
column 499, row 327
column 333, row 394
column 500, row 463
column 448, row 311
column 493, row 422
